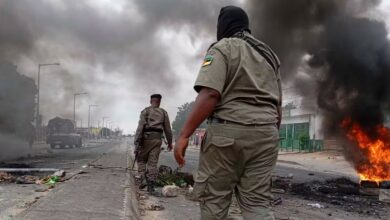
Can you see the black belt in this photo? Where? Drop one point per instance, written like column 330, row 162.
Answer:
column 153, row 130
column 222, row 121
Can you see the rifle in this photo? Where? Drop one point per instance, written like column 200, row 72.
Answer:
column 135, row 157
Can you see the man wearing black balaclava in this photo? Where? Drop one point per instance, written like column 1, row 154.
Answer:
column 239, row 93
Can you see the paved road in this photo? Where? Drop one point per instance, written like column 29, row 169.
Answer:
column 283, row 168
column 101, row 191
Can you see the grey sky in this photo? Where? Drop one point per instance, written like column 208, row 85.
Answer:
column 118, row 52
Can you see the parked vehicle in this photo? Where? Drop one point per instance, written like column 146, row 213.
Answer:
column 62, row 132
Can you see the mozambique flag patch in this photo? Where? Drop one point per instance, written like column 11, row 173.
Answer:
column 207, row 60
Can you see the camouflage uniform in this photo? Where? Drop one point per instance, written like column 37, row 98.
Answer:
column 240, row 148
column 153, row 122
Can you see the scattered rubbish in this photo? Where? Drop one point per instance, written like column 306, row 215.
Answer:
column 26, row 179
column 168, row 177
column 164, row 170
column 170, row 191
column 155, row 207
column 279, row 191
column 60, row 173
column 6, row 177
column 190, row 189
column 277, row 201
column 316, row 205
column 290, row 175
column 84, row 166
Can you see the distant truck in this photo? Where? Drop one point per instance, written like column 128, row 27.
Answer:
column 62, row 132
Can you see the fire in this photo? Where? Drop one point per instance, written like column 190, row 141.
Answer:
column 376, row 164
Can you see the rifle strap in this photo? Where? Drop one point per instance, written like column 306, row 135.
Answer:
column 263, row 49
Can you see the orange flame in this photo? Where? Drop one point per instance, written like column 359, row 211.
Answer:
column 376, row 164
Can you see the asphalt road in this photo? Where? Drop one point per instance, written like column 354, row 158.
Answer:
column 283, row 168
column 99, row 189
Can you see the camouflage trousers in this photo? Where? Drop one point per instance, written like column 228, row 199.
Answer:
column 237, row 159
column 148, row 158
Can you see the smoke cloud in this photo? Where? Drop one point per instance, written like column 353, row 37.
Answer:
column 114, row 51
column 336, row 51
column 17, row 105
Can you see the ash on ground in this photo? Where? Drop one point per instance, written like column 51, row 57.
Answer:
column 341, row 193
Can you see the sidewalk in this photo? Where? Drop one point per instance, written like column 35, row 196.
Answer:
column 104, row 190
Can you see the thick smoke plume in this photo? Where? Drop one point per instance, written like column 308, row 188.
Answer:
column 17, row 105
column 348, row 67
column 114, row 51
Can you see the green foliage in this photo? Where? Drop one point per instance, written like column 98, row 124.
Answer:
column 181, row 116
column 304, row 139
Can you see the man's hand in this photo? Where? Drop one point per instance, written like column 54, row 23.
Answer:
column 170, row 147
column 180, row 150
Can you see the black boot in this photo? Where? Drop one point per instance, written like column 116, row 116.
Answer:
column 151, row 187
column 143, row 182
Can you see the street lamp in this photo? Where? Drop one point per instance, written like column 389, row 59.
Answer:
column 39, row 81
column 89, row 119
column 89, row 114
column 104, row 125
column 74, row 105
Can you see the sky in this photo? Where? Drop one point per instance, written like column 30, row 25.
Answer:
column 119, row 52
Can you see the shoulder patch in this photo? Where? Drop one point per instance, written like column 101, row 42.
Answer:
column 208, row 60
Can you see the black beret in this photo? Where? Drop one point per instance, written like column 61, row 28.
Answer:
column 158, row 96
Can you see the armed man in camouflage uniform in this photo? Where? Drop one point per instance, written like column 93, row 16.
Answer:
column 239, row 91
column 148, row 139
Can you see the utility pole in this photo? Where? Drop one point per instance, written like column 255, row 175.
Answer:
column 89, row 117
column 37, row 124
column 74, row 105
column 103, row 126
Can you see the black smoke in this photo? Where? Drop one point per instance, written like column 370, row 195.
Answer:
column 357, row 76
column 348, row 67
column 17, row 107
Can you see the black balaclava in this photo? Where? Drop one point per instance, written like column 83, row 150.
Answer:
column 231, row 20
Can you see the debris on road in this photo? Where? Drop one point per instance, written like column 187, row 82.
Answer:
column 60, row 173
column 279, row 191
column 277, row 201
column 342, row 193
column 190, row 190
column 168, row 177
column 27, row 179
column 155, row 207
column 316, row 205
column 6, row 177
column 170, row 191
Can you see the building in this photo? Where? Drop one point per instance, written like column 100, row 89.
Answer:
column 300, row 129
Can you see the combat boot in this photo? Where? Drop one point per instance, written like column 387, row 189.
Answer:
column 151, row 187
column 143, row 182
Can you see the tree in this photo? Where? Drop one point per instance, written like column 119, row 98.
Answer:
column 181, row 116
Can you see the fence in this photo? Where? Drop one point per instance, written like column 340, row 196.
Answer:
column 301, row 145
